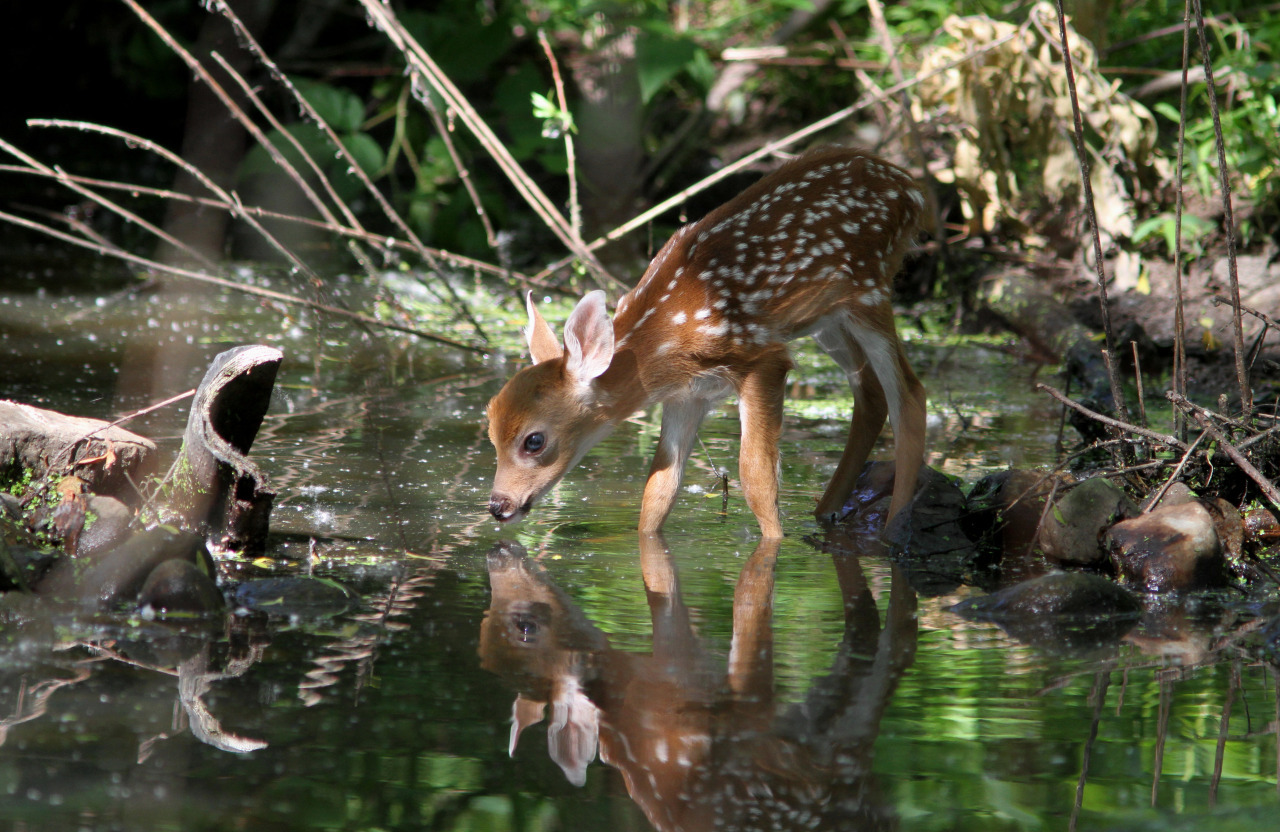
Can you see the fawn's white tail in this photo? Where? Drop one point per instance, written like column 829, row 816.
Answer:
column 810, row 249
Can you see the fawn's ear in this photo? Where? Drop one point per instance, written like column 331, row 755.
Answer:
column 524, row 712
column 588, row 338
column 543, row 345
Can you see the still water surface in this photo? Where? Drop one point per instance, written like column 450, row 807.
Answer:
column 710, row 680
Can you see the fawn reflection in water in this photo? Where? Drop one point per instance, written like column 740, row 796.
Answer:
column 700, row 745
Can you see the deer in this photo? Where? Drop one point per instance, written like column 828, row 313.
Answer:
column 810, row 249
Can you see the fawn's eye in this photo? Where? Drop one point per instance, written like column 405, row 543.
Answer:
column 534, row 442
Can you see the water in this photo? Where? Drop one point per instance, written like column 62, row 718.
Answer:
column 831, row 696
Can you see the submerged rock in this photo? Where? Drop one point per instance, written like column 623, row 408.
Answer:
column 180, row 586
column 115, row 578
column 294, row 596
column 1073, row 531
column 1072, row 610
column 107, row 525
column 1170, row 549
column 929, row 543
column 1003, row 512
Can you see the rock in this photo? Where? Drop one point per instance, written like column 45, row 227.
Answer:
column 115, row 578
column 1003, row 511
column 294, row 596
column 43, row 441
column 180, row 586
column 1073, row 610
column 10, row 506
column 107, row 525
column 1175, row 495
column 1229, row 525
column 1171, row 549
column 929, row 543
column 1259, row 525
column 1073, row 529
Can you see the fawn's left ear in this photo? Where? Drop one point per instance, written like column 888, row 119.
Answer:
column 543, row 345
column 588, row 338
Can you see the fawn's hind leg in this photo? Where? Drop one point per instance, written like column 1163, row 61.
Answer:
column 884, row 386
column 869, row 413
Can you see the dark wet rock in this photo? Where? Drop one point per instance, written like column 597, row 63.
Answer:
column 107, row 525
column 1170, row 549
column 1229, row 525
column 1261, row 523
column 10, row 506
column 180, row 586
column 1074, row 527
column 32, row 564
column 115, row 578
column 294, row 596
column 43, row 442
column 1003, row 511
column 926, row 536
column 11, row 576
column 1071, row 610
column 1058, row 593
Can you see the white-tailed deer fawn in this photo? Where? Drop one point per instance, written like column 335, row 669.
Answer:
column 810, row 249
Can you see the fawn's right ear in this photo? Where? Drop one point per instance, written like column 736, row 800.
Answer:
column 543, row 345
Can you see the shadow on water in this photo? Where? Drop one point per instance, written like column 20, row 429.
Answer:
column 721, row 682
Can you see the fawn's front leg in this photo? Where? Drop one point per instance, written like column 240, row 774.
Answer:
column 680, row 421
column 760, row 395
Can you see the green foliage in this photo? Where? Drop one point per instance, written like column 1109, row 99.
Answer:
column 661, row 56
column 1247, row 80
column 1165, row 226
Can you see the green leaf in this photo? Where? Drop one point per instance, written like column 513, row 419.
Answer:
column 257, row 162
column 367, row 152
column 1167, row 110
column 659, row 58
column 341, row 109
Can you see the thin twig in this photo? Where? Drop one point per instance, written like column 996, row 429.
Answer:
column 1137, row 375
column 1177, row 472
column 128, row 417
column 1230, row 450
column 1122, row 426
column 283, row 163
column 1218, row 300
column 265, row 213
column 1179, row 319
column 460, row 165
column 423, row 67
column 232, row 200
column 353, row 164
column 1117, row 390
column 575, row 211
column 1228, row 219
column 153, row 265
column 110, row 205
column 917, row 140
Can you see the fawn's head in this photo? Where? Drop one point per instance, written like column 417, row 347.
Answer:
column 546, row 417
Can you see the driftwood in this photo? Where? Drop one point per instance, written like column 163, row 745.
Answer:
column 44, row 444
column 213, row 487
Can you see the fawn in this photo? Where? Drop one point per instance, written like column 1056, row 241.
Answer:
column 810, row 249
